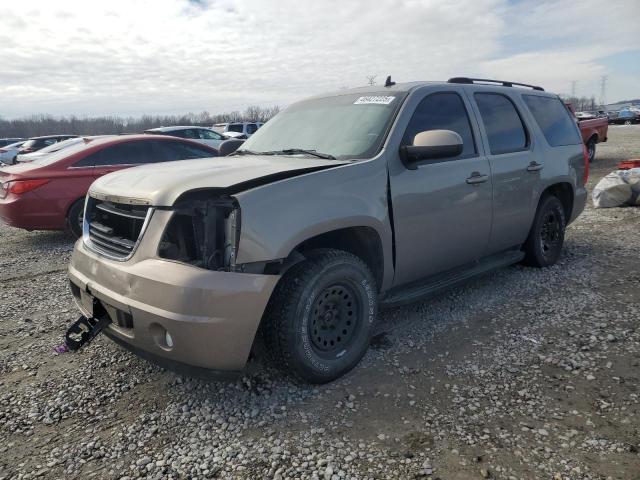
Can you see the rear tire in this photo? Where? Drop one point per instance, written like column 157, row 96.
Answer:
column 75, row 218
column 544, row 243
column 318, row 323
column 591, row 149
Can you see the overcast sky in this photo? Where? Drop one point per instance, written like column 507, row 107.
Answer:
column 176, row 56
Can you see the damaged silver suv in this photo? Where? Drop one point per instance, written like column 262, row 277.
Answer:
column 340, row 204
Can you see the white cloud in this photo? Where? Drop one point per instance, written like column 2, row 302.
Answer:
column 170, row 56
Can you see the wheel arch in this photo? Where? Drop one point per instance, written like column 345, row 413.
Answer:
column 71, row 204
column 564, row 192
column 362, row 241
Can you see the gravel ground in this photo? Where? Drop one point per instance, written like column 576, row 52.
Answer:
column 520, row 374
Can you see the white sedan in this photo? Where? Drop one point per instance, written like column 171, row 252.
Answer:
column 8, row 153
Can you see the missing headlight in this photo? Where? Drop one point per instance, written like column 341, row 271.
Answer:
column 203, row 233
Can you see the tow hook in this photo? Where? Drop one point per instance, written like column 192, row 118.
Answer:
column 82, row 332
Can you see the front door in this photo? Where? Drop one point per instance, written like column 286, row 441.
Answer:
column 442, row 209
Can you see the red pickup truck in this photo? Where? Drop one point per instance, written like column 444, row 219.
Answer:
column 593, row 130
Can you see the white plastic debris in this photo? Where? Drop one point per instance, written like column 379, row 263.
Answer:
column 617, row 189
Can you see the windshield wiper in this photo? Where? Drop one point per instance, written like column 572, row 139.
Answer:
column 244, row 151
column 294, row 151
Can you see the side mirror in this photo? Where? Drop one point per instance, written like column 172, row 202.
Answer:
column 431, row 145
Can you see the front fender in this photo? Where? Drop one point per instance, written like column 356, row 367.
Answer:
column 277, row 217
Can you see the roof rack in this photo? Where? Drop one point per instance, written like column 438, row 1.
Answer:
column 485, row 80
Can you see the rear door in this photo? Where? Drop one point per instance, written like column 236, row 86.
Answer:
column 515, row 166
column 442, row 209
column 120, row 155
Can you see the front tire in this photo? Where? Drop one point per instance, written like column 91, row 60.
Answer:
column 546, row 238
column 318, row 323
column 75, row 218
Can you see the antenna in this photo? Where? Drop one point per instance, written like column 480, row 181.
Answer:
column 389, row 83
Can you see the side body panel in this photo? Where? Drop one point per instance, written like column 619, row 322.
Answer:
column 596, row 127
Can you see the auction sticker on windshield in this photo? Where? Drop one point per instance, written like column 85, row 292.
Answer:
column 374, row 100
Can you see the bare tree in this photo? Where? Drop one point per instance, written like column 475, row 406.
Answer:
column 35, row 125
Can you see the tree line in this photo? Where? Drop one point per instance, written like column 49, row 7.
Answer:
column 583, row 104
column 42, row 124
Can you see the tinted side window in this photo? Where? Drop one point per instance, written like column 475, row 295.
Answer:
column 502, row 122
column 251, row 128
column 176, row 133
column 235, row 127
column 183, row 151
column 442, row 111
column 209, row 135
column 554, row 120
column 122, row 154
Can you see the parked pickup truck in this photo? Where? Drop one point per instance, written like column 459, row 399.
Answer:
column 340, row 204
column 592, row 130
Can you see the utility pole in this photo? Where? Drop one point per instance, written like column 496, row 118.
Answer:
column 573, row 88
column 371, row 79
column 603, row 91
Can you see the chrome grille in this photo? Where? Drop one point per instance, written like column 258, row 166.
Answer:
column 114, row 229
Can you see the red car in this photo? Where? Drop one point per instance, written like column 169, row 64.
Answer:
column 48, row 193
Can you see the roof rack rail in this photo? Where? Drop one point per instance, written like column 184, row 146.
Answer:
column 485, row 80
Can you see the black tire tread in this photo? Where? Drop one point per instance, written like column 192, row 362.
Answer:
column 282, row 305
column 529, row 246
column 71, row 215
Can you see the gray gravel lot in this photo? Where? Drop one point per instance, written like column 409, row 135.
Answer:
column 520, row 374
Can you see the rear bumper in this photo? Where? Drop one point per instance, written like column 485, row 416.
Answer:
column 212, row 317
column 579, row 203
column 30, row 213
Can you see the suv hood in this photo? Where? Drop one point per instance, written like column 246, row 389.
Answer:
column 161, row 184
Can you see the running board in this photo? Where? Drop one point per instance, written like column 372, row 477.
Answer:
column 436, row 284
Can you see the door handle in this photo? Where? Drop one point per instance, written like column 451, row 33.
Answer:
column 476, row 178
column 535, row 166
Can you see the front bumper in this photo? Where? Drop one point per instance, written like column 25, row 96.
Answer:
column 212, row 317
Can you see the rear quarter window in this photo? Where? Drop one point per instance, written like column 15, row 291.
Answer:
column 554, row 120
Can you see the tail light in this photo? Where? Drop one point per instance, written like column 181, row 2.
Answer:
column 585, row 155
column 18, row 187
column 26, row 150
column 3, row 150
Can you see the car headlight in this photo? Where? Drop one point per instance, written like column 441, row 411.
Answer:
column 203, row 233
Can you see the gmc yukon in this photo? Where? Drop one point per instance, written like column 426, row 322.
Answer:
column 340, row 204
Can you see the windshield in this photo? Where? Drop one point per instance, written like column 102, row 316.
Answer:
column 29, row 143
column 60, row 154
column 349, row 126
column 54, row 147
